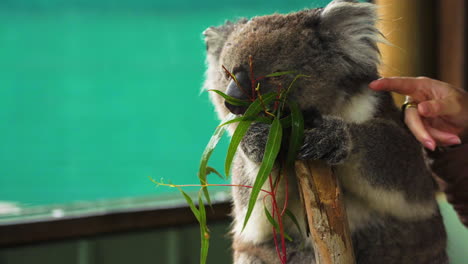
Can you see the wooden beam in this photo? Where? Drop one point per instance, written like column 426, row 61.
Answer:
column 16, row 234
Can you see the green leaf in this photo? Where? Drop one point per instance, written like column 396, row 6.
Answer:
column 293, row 218
column 256, row 106
column 210, row 170
column 242, row 127
column 275, row 74
column 275, row 225
column 297, row 132
column 284, row 95
column 286, row 122
column 191, row 204
column 204, row 232
column 200, row 214
column 260, row 119
column 207, row 154
column 271, row 152
column 231, row 100
column 234, row 120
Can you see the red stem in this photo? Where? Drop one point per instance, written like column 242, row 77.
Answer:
column 252, row 76
column 276, row 243
column 286, row 196
column 275, row 212
column 238, row 84
column 278, row 96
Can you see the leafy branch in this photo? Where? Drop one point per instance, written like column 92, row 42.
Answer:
column 261, row 108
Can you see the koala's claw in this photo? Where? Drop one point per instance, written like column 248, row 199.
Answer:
column 328, row 142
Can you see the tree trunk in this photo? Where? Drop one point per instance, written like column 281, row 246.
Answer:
column 326, row 214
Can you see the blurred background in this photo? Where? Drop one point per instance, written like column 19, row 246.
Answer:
column 97, row 96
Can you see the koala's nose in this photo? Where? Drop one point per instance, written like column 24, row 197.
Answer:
column 238, row 92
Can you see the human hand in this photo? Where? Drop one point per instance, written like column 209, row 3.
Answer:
column 441, row 116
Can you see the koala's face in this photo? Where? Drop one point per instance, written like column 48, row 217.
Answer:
column 335, row 46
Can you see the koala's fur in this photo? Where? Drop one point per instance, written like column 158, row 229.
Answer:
column 388, row 191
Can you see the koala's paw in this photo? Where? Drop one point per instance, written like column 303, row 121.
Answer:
column 254, row 141
column 328, row 141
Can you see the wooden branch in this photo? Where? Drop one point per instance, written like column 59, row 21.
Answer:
column 326, row 214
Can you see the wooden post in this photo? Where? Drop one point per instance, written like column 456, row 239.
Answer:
column 326, row 213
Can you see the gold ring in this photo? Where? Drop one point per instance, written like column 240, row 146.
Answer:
column 408, row 105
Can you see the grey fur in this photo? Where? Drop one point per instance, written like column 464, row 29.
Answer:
column 388, row 191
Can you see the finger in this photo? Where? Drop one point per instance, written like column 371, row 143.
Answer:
column 442, row 107
column 442, row 138
column 403, row 85
column 414, row 87
column 415, row 124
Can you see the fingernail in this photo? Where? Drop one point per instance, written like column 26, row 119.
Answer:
column 454, row 141
column 429, row 144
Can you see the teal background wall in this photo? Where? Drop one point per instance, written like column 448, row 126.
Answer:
column 98, row 95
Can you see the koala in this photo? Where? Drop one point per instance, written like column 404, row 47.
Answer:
column 388, row 191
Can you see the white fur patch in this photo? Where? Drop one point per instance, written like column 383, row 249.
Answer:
column 258, row 229
column 360, row 108
column 359, row 215
column 396, row 204
column 381, row 200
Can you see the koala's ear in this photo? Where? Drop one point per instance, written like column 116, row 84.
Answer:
column 215, row 37
column 353, row 25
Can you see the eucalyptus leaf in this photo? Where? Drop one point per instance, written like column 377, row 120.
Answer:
column 284, row 95
column 210, row 170
column 276, row 74
column 259, row 119
column 232, row 121
column 204, row 232
column 207, row 154
column 275, row 224
column 242, row 127
column 271, row 152
column 297, row 132
column 192, row 206
column 286, row 121
column 230, row 99
column 257, row 106
column 293, row 218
